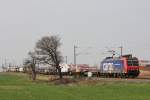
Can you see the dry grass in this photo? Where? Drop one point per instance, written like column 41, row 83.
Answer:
column 10, row 87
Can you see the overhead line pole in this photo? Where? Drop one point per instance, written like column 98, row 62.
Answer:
column 66, row 60
column 121, row 50
column 75, row 55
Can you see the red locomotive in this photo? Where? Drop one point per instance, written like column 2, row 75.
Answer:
column 124, row 66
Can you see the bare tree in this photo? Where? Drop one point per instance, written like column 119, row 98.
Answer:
column 48, row 49
column 30, row 65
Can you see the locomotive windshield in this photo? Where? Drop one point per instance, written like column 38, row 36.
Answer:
column 133, row 62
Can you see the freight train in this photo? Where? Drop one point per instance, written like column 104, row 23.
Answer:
column 124, row 66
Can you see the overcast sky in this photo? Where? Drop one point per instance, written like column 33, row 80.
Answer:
column 87, row 23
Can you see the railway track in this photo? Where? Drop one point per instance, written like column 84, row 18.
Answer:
column 139, row 79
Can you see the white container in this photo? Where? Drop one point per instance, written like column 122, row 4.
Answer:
column 89, row 74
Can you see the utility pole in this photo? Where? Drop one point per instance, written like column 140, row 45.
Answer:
column 121, row 50
column 75, row 55
column 66, row 59
column 5, row 63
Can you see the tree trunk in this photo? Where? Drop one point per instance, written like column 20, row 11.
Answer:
column 33, row 75
column 33, row 72
column 59, row 72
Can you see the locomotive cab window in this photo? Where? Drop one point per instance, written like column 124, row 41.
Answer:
column 132, row 62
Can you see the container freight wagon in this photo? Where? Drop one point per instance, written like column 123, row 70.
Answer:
column 124, row 66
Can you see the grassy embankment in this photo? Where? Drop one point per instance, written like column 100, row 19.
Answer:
column 18, row 87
